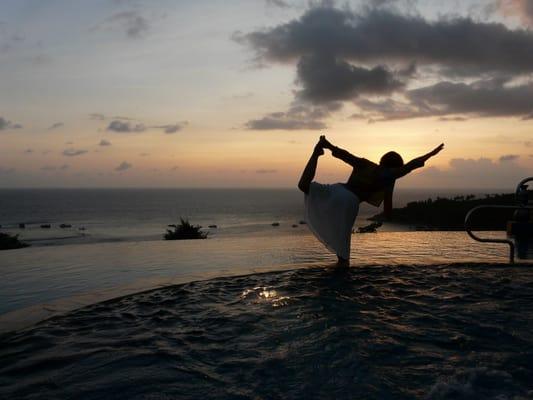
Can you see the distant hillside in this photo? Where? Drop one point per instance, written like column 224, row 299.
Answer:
column 449, row 214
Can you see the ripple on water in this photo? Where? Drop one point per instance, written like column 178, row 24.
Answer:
column 437, row 332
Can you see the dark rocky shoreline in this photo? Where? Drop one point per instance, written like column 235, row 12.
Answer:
column 449, row 214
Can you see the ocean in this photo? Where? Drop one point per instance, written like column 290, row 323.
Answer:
column 143, row 214
column 255, row 311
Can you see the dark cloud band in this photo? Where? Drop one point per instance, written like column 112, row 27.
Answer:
column 298, row 117
column 73, row 152
column 125, row 127
column 5, row 124
column 341, row 55
column 382, row 35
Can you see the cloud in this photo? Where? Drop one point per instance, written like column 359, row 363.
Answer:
column 125, row 127
column 144, row 154
column 325, row 78
column 243, row 96
column 266, row 171
column 357, row 116
column 381, row 34
column 6, row 171
column 131, row 22
column 381, row 3
column 298, row 117
column 521, row 8
column 509, row 157
column 41, row 60
column 56, row 125
column 278, row 3
column 5, row 124
column 124, row 118
column 283, row 121
column 104, row 142
column 172, row 128
column 388, row 109
column 453, row 119
column 483, row 98
column 54, row 168
column 123, row 166
column 28, row 151
column 73, row 152
column 488, row 98
column 97, row 116
column 396, row 65
column 9, row 39
column 470, row 173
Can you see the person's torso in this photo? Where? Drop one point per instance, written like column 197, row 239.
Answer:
column 369, row 184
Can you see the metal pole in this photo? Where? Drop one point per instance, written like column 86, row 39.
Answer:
column 487, row 240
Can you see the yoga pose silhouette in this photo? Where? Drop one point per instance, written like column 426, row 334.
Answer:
column 331, row 209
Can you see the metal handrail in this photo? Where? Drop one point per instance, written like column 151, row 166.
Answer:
column 520, row 188
column 522, row 182
column 487, row 240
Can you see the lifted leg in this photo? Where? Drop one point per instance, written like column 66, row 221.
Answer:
column 310, row 169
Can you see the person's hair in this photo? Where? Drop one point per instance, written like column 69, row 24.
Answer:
column 391, row 160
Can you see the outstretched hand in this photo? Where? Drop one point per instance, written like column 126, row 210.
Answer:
column 433, row 152
column 436, row 150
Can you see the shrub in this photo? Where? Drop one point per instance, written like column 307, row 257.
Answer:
column 184, row 230
column 8, row 242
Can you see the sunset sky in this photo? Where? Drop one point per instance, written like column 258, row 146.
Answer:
column 234, row 93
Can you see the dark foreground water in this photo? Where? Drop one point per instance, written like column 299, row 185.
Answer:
column 458, row 331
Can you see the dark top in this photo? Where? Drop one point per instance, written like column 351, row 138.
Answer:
column 368, row 181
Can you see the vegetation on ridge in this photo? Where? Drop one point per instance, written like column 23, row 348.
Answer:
column 449, row 214
column 184, row 230
column 8, row 242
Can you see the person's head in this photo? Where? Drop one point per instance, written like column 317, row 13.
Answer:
column 391, row 160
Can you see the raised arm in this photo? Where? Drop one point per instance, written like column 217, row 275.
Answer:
column 341, row 154
column 416, row 162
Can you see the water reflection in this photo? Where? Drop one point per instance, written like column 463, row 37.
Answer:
column 456, row 331
column 264, row 294
column 69, row 277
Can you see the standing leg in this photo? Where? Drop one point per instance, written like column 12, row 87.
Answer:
column 310, row 169
column 342, row 262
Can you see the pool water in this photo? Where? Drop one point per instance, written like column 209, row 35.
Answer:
column 444, row 331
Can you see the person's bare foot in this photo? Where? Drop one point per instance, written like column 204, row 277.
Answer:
column 324, row 143
column 342, row 263
column 319, row 150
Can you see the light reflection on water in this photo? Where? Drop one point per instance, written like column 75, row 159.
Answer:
column 266, row 295
column 61, row 278
column 454, row 331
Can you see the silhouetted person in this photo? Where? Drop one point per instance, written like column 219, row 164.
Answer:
column 331, row 209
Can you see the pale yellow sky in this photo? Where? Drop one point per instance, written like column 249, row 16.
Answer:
column 60, row 62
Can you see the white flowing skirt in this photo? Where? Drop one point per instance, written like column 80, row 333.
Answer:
column 330, row 212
